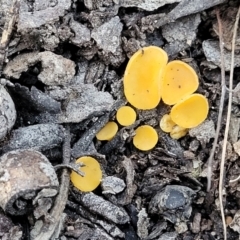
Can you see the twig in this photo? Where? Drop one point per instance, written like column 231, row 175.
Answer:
column 229, row 109
column 47, row 229
column 220, row 113
column 7, row 31
column 71, row 166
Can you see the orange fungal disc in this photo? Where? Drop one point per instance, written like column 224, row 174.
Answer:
column 92, row 177
column 179, row 81
column 142, row 77
column 191, row 111
column 107, row 132
column 126, row 116
column 146, row 138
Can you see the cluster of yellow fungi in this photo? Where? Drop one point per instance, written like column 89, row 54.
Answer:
column 148, row 78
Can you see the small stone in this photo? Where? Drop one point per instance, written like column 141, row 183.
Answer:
column 235, row 224
column 196, row 223
column 228, row 220
column 87, row 98
column 143, row 224
column 82, row 33
column 234, row 129
column 108, row 35
column 236, row 147
column 188, row 155
column 56, row 70
column 212, row 52
column 181, row 33
column 204, row 132
column 70, row 228
column 112, row 185
column 40, row 15
column 194, row 145
column 172, row 198
column 181, row 227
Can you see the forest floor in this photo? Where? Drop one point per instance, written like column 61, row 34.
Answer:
column 61, row 69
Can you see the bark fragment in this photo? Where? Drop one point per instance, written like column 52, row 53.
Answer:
column 39, row 137
column 104, row 208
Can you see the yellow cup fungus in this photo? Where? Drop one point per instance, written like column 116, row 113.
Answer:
column 142, row 77
column 191, row 111
column 166, row 123
column 92, row 177
column 148, row 78
column 146, row 138
column 126, row 116
column 179, row 80
column 107, row 132
column 178, row 132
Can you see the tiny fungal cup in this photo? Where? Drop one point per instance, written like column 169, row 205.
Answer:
column 92, row 177
column 178, row 132
column 179, row 81
column 126, row 116
column 107, row 132
column 142, row 77
column 166, row 123
column 146, row 138
column 191, row 111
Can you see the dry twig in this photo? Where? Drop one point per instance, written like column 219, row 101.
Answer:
column 47, row 229
column 229, row 109
column 220, row 113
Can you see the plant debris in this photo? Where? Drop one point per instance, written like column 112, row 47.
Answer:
column 63, row 78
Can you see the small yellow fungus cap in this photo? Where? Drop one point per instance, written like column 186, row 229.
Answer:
column 146, row 138
column 191, row 111
column 107, row 132
column 166, row 123
column 178, row 132
column 179, row 81
column 92, row 178
column 126, row 116
column 142, row 77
